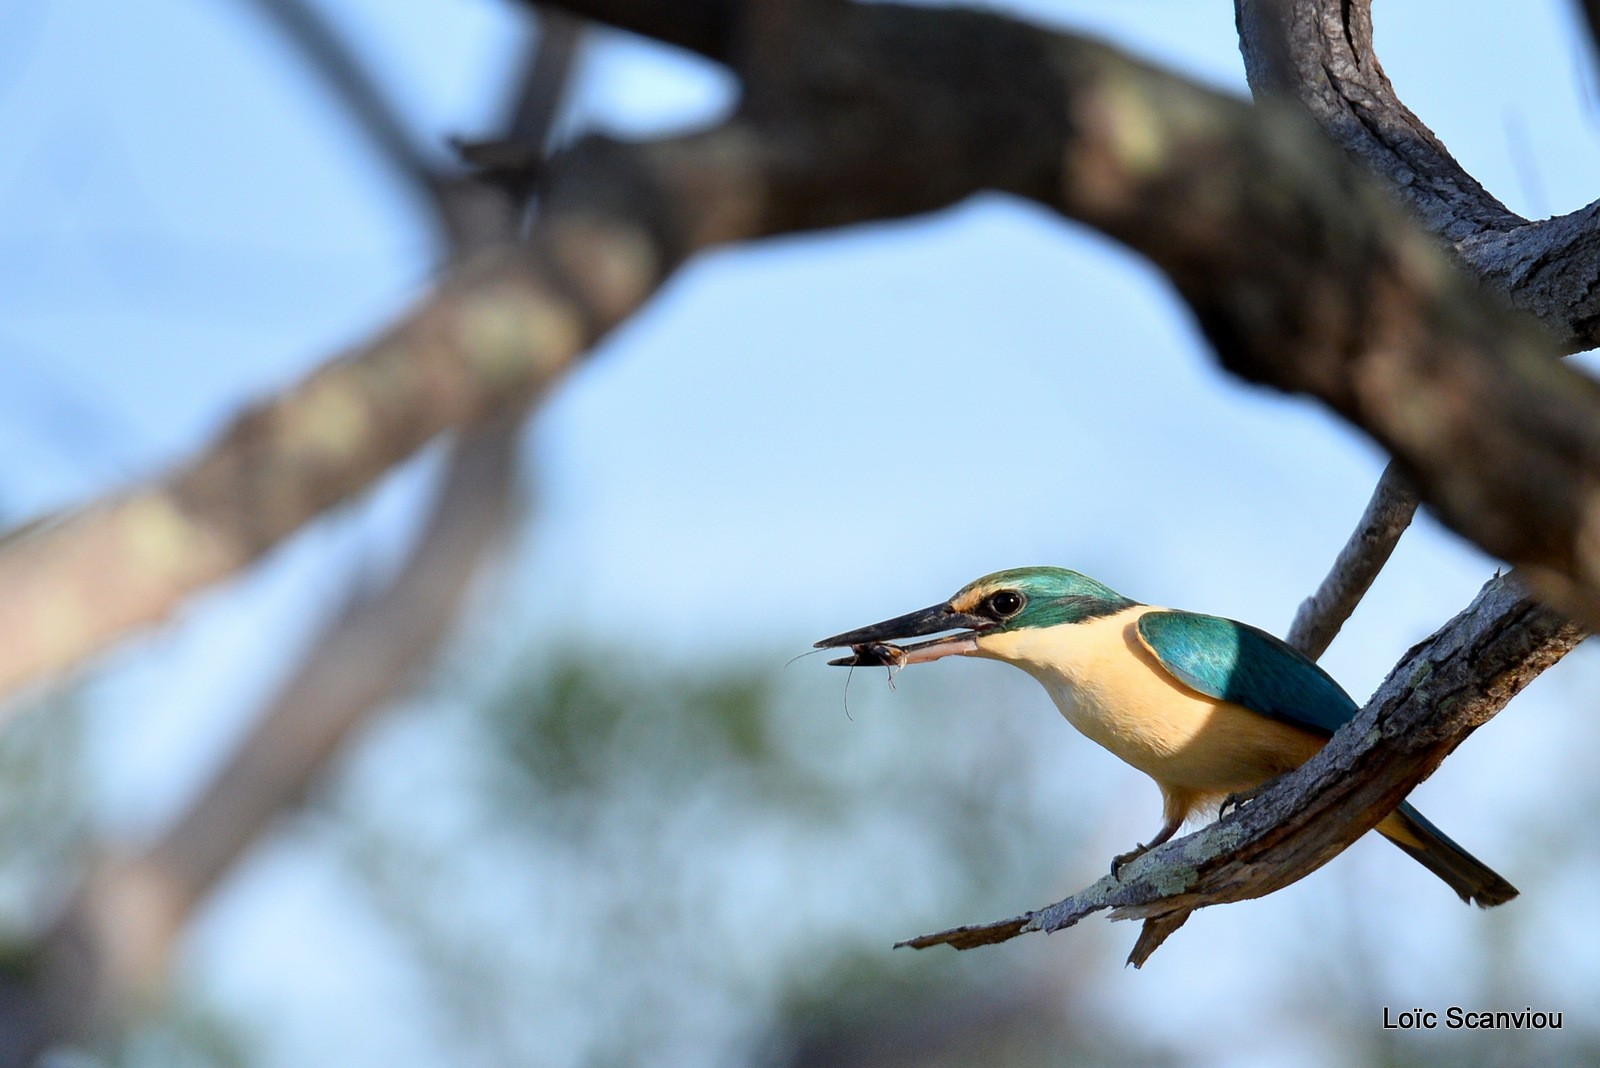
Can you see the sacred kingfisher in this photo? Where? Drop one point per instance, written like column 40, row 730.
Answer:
column 1207, row 707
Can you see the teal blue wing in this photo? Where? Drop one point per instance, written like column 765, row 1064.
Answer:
column 1239, row 663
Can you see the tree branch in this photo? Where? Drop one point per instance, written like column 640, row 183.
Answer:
column 542, row 85
column 131, row 911
column 364, row 660
column 513, row 160
column 1355, row 307
column 1320, row 53
column 1304, row 275
column 330, row 58
column 1439, row 692
column 1322, row 614
column 1590, row 9
column 492, row 336
column 707, row 27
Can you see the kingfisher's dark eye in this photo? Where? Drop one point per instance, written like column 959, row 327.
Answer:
column 1005, row 604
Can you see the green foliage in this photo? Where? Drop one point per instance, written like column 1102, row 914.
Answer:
column 569, row 725
column 718, row 859
column 43, row 819
column 186, row 1035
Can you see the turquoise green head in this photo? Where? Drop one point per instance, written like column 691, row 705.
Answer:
column 1005, row 601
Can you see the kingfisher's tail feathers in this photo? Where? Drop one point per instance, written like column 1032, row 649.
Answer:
column 1469, row 877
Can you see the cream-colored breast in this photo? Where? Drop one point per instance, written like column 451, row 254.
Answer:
column 1114, row 690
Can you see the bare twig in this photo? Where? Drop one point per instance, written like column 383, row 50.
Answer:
column 1437, row 694
column 514, row 159
column 1388, row 514
column 484, row 209
column 333, row 61
column 542, row 84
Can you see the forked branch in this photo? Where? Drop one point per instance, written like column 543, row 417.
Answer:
column 1321, row 54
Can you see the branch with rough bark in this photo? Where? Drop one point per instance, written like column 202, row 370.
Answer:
column 1320, row 53
column 1336, row 293
column 1441, row 691
column 1392, row 506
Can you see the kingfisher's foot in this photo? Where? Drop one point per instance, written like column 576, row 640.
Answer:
column 1122, row 858
column 1238, row 800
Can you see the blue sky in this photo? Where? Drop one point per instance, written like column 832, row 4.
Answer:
column 792, row 439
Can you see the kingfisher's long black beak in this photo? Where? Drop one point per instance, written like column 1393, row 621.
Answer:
column 941, row 617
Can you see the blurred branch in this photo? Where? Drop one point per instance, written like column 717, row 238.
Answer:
column 1590, row 9
column 488, row 339
column 1439, row 692
column 542, row 84
column 110, row 949
column 468, row 217
column 330, row 57
column 366, row 658
column 373, row 648
column 113, row 942
column 708, row 27
column 1387, row 516
column 514, row 160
